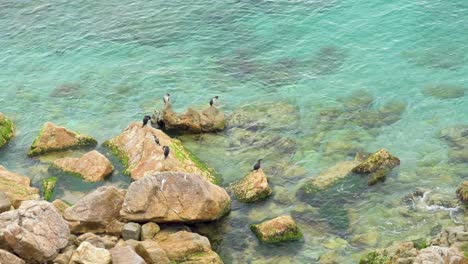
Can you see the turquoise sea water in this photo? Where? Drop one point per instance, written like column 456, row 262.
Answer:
column 94, row 67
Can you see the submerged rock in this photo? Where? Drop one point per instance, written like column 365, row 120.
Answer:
column 92, row 166
column 209, row 120
column 253, row 187
column 89, row 254
column 279, row 229
column 443, row 91
column 48, row 187
column 97, row 212
column 174, row 197
column 7, row 130
column 54, row 138
column 462, row 192
column 379, row 164
column 35, row 231
column 141, row 155
column 328, row 177
column 456, row 136
column 17, row 187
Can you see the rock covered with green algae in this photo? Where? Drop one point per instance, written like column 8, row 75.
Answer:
column 92, row 166
column 48, row 187
column 456, row 136
column 379, row 164
column 279, row 229
column 55, row 138
column 462, row 192
column 7, row 130
column 253, row 187
column 209, row 120
column 136, row 148
column 444, row 91
column 17, row 187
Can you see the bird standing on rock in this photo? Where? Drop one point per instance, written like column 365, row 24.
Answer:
column 166, row 98
column 156, row 139
column 213, row 100
column 145, row 120
column 257, row 165
column 166, row 151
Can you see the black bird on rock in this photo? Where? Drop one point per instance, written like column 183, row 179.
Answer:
column 213, row 100
column 156, row 139
column 166, row 151
column 257, row 165
column 145, row 120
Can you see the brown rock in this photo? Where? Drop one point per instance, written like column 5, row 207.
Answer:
column 65, row 256
column 141, row 155
column 149, row 230
column 125, row 255
column 106, row 241
column 253, row 187
column 55, row 138
column 97, row 212
column 378, row 160
column 5, row 204
column 88, row 254
column 174, row 197
column 151, row 252
column 8, row 258
column 17, row 187
column 92, row 166
column 193, row 121
column 439, row 255
column 35, row 231
column 279, row 229
column 60, row 205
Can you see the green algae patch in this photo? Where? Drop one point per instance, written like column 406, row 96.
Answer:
column 375, row 258
column 121, row 156
column 48, row 188
column 277, row 230
column 7, row 130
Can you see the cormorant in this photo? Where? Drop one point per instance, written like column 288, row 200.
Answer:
column 145, row 120
column 166, row 151
column 213, row 100
column 256, row 167
column 156, row 139
column 166, row 98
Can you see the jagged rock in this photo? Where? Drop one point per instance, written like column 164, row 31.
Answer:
column 60, row 205
column 136, row 148
column 209, row 120
column 253, row 187
column 131, row 231
column 5, row 204
column 8, row 258
column 174, row 197
column 279, row 229
column 97, row 212
column 379, row 164
column 149, row 230
column 88, row 254
column 92, row 166
column 125, row 255
column 151, row 252
column 17, row 187
column 35, row 231
column 7, row 130
column 439, row 255
column 462, row 192
column 187, row 247
column 54, row 138
column 65, row 256
column 106, row 241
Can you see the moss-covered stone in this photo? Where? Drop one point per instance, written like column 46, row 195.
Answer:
column 253, row 187
column 279, row 229
column 462, row 192
column 375, row 258
column 7, row 130
column 381, row 159
column 444, row 91
column 121, row 156
column 48, row 187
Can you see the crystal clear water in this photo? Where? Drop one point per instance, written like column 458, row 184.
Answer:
column 96, row 66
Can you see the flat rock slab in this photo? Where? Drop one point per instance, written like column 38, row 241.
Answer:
column 92, row 166
column 174, row 197
column 138, row 151
column 17, row 187
column 253, row 187
column 55, row 138
column 279, row 229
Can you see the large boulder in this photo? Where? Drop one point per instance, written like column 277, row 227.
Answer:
column 279, row 229
column 92, row 166
column 35, row 231
column 89, row 254
column 209, row 120
column 8, row 258
column 17, row 187
column 125, row 255
column 97, row 212
column 187, row 247
column 174, row 197
column 137, row 149
column 439, row 255
column 7, row 130
column 378, row 164
column 55, row 138
column 253, row 187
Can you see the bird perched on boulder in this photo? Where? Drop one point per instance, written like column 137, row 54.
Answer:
column 166, row 151
column 145, row 120
column 257, row 165
column 213, row 100
column 156, row 139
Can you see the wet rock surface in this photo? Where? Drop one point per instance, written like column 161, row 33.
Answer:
column 7, row 130
column 378, row 165
column 279, row 229
column 253, row 187
column 92, row 166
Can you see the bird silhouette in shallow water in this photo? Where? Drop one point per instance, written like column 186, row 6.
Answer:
column 166, row 98
column 166, row 151
column 213, row 100
column 156, row 139
column 145, row 120
column 257, row 165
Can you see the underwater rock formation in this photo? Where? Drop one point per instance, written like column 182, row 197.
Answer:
column 7, row 130
column 92, row 166
column 174, row 197
column 253, row 187
column 462, row 192
column 279, row 229
column 136, row 148
column 443, row 91
column 17, row 187
column 209, row 120
column 54, row 138
column 378, row 165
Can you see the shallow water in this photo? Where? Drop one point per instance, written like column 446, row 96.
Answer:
column 95, row 67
